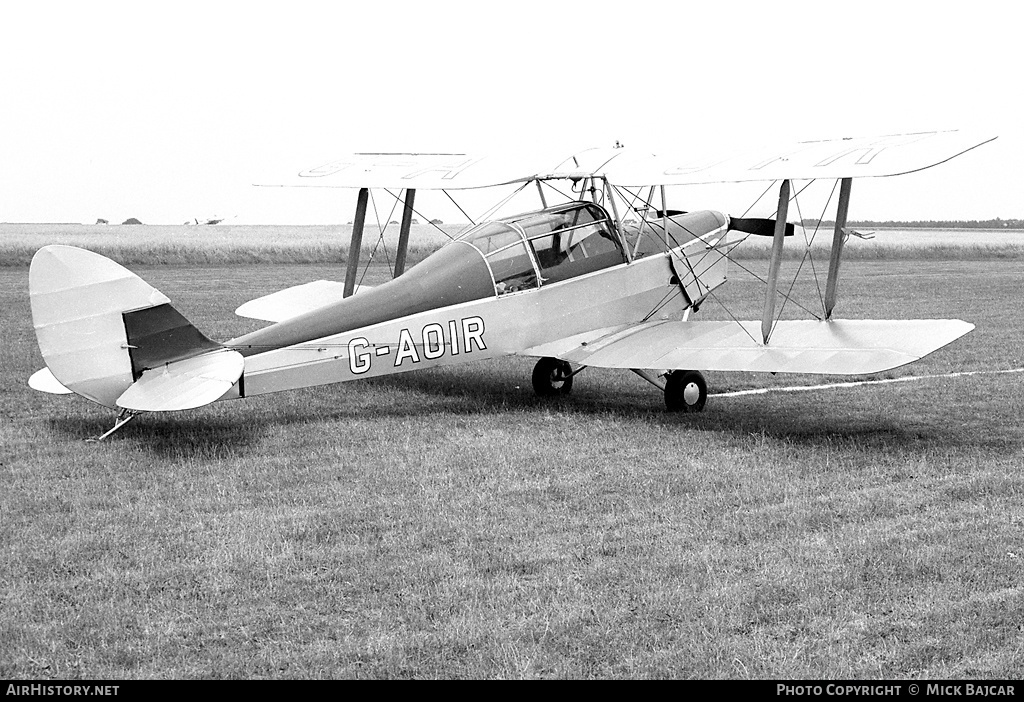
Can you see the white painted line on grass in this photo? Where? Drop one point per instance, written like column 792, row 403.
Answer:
column 829, row 386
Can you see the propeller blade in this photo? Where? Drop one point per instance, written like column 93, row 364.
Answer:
column 757, row 226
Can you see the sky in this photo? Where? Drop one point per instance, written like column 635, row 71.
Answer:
column 170, row 111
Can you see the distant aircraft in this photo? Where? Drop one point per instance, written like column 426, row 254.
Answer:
column 573, row 284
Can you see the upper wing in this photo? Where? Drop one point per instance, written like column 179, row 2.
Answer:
column 420, row 171
column 859, row 157
column 835, row 158
column 838, row 347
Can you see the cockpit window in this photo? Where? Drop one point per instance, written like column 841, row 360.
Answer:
column 492, row 236
column 563, row 242
column 513, row 269
column 581, row 241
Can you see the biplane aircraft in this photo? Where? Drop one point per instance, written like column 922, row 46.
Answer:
column 574, row 284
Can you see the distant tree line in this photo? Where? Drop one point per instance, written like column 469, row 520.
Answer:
column 997, row 223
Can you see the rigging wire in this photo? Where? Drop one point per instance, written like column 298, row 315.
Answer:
column 713, row 296
column 657, row 227
column 493, row 210
column 457, row 205
column 786, row 296
column 420, row 214
column 380, row 238
column 668, row 235
column 660, row 305
column 803, row 259
column 814, row 234
column 807, row 254
column 551, row 187
column 754, row 203
column 631, row 207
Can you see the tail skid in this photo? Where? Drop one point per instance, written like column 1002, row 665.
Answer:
column 110, row 337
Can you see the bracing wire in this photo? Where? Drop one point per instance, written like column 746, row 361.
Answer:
column 423, row 216
column 787, row 296
column 657, row 227
column 713, row 296
column 807, row 256
column 817, row 226
column 380, row 238
column 457, row 205
column 551, row 187
column 490, row 212
column 754, row 203
column 807, row 253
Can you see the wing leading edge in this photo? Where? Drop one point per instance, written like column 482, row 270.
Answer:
column 887, row 155
column 860, row 157
column 838, row 347
column 422, row 171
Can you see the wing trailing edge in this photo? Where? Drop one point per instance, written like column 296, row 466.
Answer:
column 837, row 347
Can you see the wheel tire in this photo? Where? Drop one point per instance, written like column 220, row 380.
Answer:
column 685, row 391
column 552, row 377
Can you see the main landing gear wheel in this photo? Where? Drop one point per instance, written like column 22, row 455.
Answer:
column 685, row 391
column 552, row 377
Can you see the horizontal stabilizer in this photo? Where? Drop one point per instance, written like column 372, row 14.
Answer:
column 291, row 302
column 838, row 347
column 43, row 381
column 187, row 384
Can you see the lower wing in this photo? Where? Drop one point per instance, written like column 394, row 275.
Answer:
column 837, row 347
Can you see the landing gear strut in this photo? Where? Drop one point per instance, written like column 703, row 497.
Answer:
column 552, row 377
column 685, row 391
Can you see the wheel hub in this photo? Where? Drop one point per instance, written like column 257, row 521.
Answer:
column 691, row 393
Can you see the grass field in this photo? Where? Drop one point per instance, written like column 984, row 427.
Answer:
column 449, row 524
column 208, row 245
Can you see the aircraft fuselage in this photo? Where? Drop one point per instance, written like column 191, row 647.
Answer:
column 449, row 310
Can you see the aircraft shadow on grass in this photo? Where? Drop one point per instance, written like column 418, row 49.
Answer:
column 484, row 392
column 190, row 436
column 480, row 389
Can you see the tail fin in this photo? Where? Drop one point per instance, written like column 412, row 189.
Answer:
column 109, row 336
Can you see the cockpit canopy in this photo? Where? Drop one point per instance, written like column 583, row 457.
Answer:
column 526, row 251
